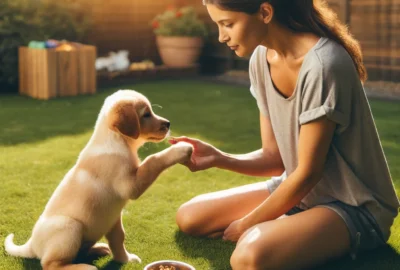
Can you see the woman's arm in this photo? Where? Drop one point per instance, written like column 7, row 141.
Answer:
column 314, row 142
column 263, row 162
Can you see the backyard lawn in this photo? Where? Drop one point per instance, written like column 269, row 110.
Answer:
column 40, row 142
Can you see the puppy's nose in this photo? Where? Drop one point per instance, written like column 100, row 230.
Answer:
column 166, row 124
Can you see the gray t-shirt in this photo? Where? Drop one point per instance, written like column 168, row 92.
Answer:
column 356, row 171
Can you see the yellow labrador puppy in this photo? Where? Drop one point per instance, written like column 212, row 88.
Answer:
column 88, row 202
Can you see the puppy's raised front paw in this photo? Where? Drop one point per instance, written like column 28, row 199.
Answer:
column 182, row 151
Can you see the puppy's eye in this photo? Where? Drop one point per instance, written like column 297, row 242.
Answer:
column 147, row 115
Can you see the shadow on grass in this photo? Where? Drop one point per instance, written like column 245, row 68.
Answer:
column 33, row 264
column 112, row 265
column 217, row 252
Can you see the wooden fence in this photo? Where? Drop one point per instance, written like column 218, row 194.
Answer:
column 376, row 24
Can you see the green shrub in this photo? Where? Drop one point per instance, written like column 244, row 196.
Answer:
column 179, row 22
column 24, row 20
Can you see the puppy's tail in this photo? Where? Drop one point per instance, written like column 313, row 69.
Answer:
column 24, row 251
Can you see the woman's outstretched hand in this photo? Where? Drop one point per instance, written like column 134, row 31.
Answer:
column 204, row 155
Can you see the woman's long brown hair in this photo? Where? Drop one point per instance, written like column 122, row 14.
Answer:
column 312, row 16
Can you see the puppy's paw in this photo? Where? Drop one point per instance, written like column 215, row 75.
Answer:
column 134, row 258
column 128, row 257
column 182, row 151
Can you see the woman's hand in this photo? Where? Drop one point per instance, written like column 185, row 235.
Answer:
column 204, row 155
column 234, row 231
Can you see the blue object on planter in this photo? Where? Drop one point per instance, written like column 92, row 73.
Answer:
column 51, row 43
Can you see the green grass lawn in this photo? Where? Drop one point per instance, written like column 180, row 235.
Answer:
column 40, row 142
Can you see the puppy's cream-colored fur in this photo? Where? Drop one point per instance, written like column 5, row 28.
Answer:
column 88, row 202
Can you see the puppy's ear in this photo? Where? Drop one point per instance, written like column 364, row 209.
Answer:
column 124, row 119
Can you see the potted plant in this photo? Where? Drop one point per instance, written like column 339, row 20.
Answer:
column 179, row 36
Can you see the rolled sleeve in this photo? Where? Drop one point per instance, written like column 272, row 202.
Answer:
column 326, row 93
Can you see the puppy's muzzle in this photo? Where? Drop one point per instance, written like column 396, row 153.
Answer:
column 165, row 125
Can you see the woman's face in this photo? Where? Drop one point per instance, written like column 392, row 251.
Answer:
column 240, row 31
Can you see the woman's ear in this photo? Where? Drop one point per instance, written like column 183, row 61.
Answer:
column 124, row 119
column 267, row 12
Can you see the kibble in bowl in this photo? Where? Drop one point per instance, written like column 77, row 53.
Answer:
column 168, row 265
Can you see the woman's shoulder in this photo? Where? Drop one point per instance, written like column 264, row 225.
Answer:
column 329, row 60
column 333, row 57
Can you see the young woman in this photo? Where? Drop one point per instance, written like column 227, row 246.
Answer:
column 334, row 195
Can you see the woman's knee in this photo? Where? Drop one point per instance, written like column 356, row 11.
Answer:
column 247, row 256
column 187, row 219
column 251, row 254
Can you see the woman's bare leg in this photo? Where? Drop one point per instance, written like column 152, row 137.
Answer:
column 210, row 214
column 299, row 241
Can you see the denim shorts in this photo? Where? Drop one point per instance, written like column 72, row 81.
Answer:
column 365, row 233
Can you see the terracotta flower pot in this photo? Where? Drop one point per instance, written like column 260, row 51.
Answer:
column 179, row 51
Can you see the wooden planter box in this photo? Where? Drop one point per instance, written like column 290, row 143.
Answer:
column 47, row 73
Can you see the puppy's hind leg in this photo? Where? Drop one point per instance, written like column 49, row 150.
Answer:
column 62, row 239
column 116, row 238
